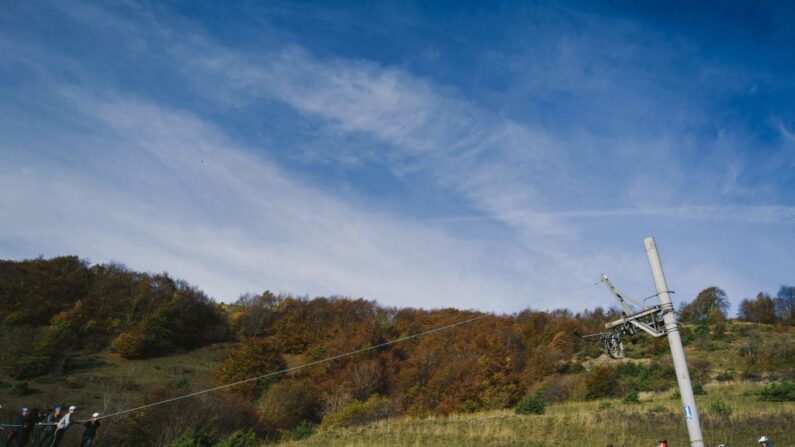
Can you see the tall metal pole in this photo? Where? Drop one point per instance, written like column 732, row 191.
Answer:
column 675, row 342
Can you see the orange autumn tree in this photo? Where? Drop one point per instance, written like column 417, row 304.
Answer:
column 252, row 358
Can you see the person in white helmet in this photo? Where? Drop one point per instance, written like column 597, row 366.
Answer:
column 62, row 426
column 764, row 442
column 91, row 430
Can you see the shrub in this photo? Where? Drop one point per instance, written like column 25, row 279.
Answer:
column 601, row 382
column 179, row 383
column 779, row 392
column 570, row 368
column 605, row 404
column 302, row 431
column 561, row 388
column 471, row 406
column 361, row 413
column 688, row 336
column 240, row 438
column 698, row 390
column 653, row 377
column 193, row 439
column 632, row 398
column 130, row 345
column 720, row 408
column 289, row 403
column 531, row 404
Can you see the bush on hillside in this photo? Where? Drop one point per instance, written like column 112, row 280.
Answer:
column 240, row 438
column 193, row 439
column 771, row 357
column 361, row 413
column 531, row 404
column 655, row 376
column 289, row 403
column 632, row 398
column 302, row 431
column 721, row 409
column 253, row 357
column 601, row 382
column 556, row 389
column 779, row 392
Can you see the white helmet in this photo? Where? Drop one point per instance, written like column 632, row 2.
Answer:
column 763, row 439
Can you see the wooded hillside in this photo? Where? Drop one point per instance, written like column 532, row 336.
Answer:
column 57, row 313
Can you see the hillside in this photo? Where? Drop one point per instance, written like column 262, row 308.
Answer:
column 730, row 414
column 108, row 339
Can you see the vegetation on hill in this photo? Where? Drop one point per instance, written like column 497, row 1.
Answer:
column 53, row 308
column 583, row 423
column 109, row 338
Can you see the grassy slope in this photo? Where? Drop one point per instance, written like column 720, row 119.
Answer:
column 584, row 423
column 105, row 382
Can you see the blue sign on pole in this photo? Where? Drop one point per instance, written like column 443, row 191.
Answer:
column 688, row 412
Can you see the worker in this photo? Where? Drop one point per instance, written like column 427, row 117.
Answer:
column 764, row 442
column 49, row 424
column 62, row 426
column 91, row 430
column 3, row 432
column 24, row 425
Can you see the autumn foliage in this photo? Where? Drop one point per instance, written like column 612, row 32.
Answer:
column 55, row 308
column 487, row 364
column 252, row 358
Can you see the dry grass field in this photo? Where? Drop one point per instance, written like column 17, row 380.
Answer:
column 596, row 423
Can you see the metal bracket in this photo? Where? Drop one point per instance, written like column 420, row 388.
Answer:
column 648, row 320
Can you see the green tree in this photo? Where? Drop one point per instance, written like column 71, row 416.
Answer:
column 710, row 304
column 531, row 404
column 761, row 309
column 188, row 320
column 785, row 304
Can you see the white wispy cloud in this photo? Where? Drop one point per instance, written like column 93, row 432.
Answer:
column 496, row 163
column 163, row 188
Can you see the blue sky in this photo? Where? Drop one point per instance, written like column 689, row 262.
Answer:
column 476, row 155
